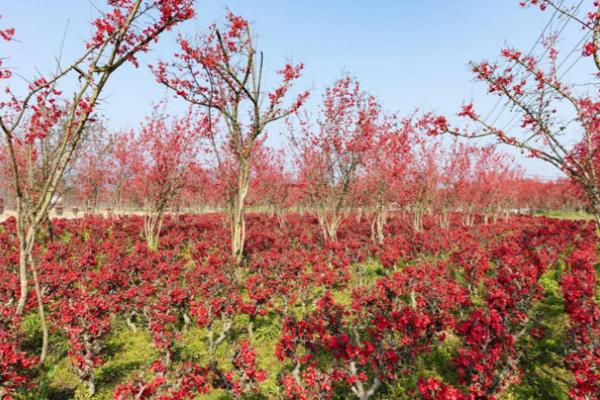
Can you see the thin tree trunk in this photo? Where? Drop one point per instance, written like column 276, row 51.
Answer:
column 331, row 226
column 152, row 227
column 373, row 223
column 41, row 312
column 378, row 224
column 281, row 217
column 26, row 240
column 594, row 196
column 22, row 278
column 238, row 223
column 445, row 219
column 418, row 219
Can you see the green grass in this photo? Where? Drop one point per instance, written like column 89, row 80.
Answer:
column 566, row 214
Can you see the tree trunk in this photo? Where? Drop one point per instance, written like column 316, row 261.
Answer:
column 331, row 227
column 418, row 219
column 152, row 226
column 22, row 277
column 330, row 223
column 26, row 240
column 41, row 313
column 153, row 218
column 361, row 392
column 596, row 212
column 445, row 219
column 468, row 218
column 594, row 196
column 280, row 217
column 373, row 223
column 238, row 223
column 379, row 220
column 91, row 387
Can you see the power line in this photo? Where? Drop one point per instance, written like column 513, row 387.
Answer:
column 568, row 20
column 577, row 46
column 573, row 50
column 538, row 40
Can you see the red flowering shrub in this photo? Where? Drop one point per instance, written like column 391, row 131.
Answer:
column 186, row 383
column 15, row 365
column 245, row 376
column 432, row 389
column 579, row 290
column 339, row 330
column 85, row 317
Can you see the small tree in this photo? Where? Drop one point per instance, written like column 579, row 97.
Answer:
column 123, row 154
column 169, row 151
column 423, row 185
column 387, row 168
column 92, row 168
column 493, row 173
column 223, row 72
column 454, row 181
column 332, row 156
column 273, row 183
column 44, row 114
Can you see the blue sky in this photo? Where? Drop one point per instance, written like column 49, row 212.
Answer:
column 410, row 54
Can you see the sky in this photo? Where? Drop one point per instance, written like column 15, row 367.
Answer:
column 409, row 54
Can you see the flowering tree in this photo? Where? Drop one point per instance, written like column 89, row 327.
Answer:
column 493, row 175
column 477, row 180
column 42, row 111
column 273, row 185
column 424, row 179
column 92, row 168
column 454, row 182
column 197, row 193
column 223, row 72
column 534, row 88
column 332, row 156
column 124, row 154
column 85, row 319
column 559, row 194
column 387, row 171
column 168, row 154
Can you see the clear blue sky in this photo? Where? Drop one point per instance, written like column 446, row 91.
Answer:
column 408, row 53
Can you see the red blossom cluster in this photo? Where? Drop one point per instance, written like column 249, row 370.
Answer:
column 110, row 26
column 6, row 35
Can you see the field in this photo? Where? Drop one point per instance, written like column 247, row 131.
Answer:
column 206, row 218
column 504, row 308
